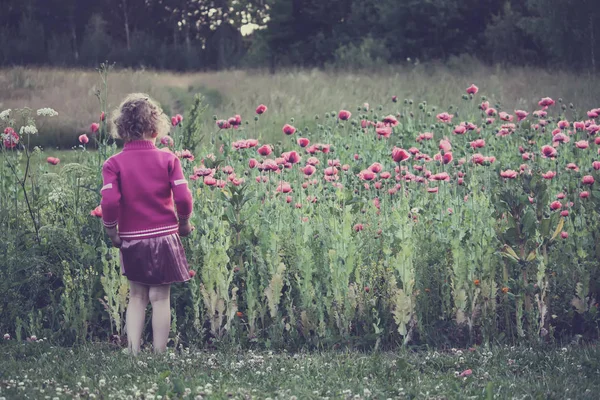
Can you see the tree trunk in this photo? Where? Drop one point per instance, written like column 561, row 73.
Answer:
column 221, row 47
column 593, row 44
column 126, row 19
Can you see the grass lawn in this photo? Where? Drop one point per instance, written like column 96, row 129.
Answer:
column 41, row 371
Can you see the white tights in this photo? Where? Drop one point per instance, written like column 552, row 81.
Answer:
column 159, row 297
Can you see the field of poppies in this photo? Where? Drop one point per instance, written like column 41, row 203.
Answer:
column 406, row 223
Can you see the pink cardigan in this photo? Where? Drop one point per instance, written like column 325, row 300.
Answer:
column 140, row 186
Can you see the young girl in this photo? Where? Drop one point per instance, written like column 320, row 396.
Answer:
column 140, row 186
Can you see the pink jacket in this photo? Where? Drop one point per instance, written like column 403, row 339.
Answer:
column 140, row 186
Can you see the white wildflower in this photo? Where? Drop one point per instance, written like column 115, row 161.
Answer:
column 4, row 115
column 28, row 130
column 47, row 112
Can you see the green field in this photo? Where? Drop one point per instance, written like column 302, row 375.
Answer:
column 38, row 370
column 298, row 94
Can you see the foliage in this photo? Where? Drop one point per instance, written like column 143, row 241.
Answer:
column 446, row 247
column 191, row 35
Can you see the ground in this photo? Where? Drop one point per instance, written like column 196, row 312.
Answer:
column 41, row 371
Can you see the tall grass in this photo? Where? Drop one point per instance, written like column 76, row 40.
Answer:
column 287, row 94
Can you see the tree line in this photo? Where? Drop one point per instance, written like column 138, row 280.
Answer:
column 213, row 34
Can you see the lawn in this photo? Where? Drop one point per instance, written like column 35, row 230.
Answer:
column 39, row 370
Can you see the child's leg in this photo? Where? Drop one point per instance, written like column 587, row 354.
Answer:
column 160, row 297
column 136, row 313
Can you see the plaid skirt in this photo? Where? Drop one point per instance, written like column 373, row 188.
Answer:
column 155, row 261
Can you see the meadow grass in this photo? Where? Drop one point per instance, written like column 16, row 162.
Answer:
column 37, row 370
column 300, row 94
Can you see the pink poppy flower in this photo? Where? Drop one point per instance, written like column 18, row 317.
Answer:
column 508, row 174
column 432, row 190
column 546, row 102
column 223, row 124
column 460, row 130
column 291, row 157
column 344, row 115
column 425, row 136
column 303, row 142
column 53, row 160
column 94, row 127
column 505, row 116
column 83, row 139
column 445, row 145
column 375, row 168
column 447, row 158
column 549, row 152
column 102, row 116
column 478, row 144
column 284, row 187
column 385, row 131
column 358, row 227
column 445, row 117
column 555, row 205
column 235, row 121
column 587, row 180
column 491, row 112
column 561, row 196
column 210, row 181
column 261, row 109
column 478, row 158
column 390, row 120
column 167, row 141
column 564, row 235
column 10, row 138
column 582, row 144
column 385, row 175
column 484, row 105
column 313, row 161
column 330, row 171
column 596, row 165
column 265, row 150
column 564, row 213
column 584, row 194
column 366, row 175
column 472, row 89
column 521, row 115
column 96, row 212
column 413, row 150
column 185, row 154
column 442, row 176
column 572, row 167
column 563, row 124
column 399, row 155
column 465, row 373
column 288, row 129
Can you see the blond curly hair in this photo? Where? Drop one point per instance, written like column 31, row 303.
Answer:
column 139, row 117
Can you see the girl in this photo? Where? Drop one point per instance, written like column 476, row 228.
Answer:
column 140, row 186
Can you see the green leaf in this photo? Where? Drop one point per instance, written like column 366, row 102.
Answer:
column 545, row 227
column 529, row 224
column 511, row 236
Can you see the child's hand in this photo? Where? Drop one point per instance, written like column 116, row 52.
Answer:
column 185, row 228
column 113, row 234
